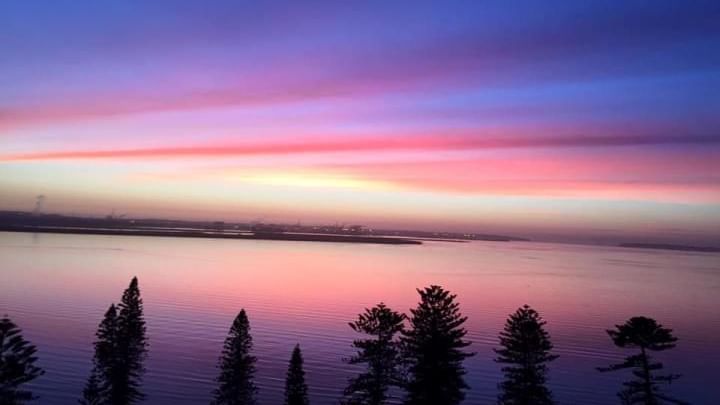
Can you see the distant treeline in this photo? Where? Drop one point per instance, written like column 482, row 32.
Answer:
column 414, row 359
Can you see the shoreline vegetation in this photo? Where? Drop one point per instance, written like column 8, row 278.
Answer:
column 414, row 359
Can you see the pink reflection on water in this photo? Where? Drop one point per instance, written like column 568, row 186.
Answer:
column 57, row 288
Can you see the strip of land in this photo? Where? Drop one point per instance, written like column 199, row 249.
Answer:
column 22, row 221
column 661, row 246
column 216, row 235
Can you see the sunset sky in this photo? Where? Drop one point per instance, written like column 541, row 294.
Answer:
column 579, row 119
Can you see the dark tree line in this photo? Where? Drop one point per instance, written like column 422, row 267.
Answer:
column 416, row 359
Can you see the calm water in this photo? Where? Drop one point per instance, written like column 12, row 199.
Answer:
column 57, row 287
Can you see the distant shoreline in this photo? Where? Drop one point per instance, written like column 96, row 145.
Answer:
column 663, row 246
column 121, row 225
column 279, row 236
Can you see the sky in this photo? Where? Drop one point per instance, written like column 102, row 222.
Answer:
column 589, row 120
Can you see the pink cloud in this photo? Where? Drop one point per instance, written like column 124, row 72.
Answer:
column 456, row 140
column 453, row 62
column 657, row 176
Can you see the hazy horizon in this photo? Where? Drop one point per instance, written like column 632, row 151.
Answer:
column 608, row 237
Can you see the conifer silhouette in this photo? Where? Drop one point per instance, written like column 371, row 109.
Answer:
column 525, row 351
column 296, row 391
column 131, row 346
column 381, row 354
column 99, row 388
column 92, row 394
column 17, row 364
column 120, row 351
column 433, row 350
column 647, row 335
column 237, row 366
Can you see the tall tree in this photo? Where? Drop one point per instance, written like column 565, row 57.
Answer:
column 17, row 364
column 648, row 336
column 296, row 390
column 380, row 353
column 236, row 384
column 131, row 347
column 433, row 350
column 526, row 348
column 120, row 352
column 99, row 388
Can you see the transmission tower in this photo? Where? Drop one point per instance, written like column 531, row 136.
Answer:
column 39, row 202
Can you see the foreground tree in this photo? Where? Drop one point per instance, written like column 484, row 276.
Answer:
column 237, row 366
column 433, row 350
column 526, row 348
column 92, row 393
column 99, row 388
column 647, row 335
column 120, row 352
column 296, row 391
column 381, row 354
column 17, row 364
column 131, row 346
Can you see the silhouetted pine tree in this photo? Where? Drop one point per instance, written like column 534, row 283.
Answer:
column 120, row 351
column 237, row 366
column 296, row 391
column 17, row 364
column 92, row 393
column 433, row 350
column 131, row 347
column 381, row 354
column 99, row 388
column 525, row 349
column 647, row 335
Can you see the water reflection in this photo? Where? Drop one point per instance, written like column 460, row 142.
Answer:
column 306, row 293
